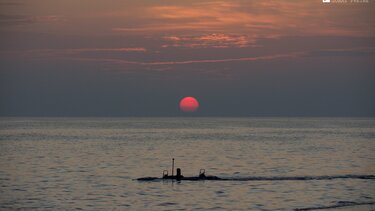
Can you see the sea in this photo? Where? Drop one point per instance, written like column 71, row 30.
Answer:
column 93, row 163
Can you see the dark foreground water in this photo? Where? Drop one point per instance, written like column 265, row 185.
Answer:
column 90, row 163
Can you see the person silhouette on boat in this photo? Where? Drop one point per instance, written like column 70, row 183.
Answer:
column 202, row 174
column 178, row 174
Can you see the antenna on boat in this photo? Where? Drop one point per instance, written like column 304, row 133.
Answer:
column 172, row 166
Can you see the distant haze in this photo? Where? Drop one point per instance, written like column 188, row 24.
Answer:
column 141, row 57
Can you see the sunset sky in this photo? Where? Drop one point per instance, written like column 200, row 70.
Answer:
column 140, row 57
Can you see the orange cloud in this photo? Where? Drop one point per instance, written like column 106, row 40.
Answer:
column 256, row 19
column 212, row 40
column 198, row 17
column 165, row 27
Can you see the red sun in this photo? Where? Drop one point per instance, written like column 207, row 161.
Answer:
column 189, row 104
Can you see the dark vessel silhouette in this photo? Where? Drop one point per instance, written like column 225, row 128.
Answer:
column 202, row 176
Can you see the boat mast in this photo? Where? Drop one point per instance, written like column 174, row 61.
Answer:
column 172, row 166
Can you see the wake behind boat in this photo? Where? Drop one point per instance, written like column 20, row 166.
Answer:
column 202, row 176
column 261, row 178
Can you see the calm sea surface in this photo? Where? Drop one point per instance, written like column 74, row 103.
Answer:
column 90, row 163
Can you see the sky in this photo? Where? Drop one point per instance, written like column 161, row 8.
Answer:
column 239, row 58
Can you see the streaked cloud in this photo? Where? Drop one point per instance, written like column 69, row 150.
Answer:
column 9, row 20
column 71, row 54
column 165, row 27
column 77, row 50
column 175, row 33
column 213, row 40
column 74, row 51
column 184, row 62
column 258, row 18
